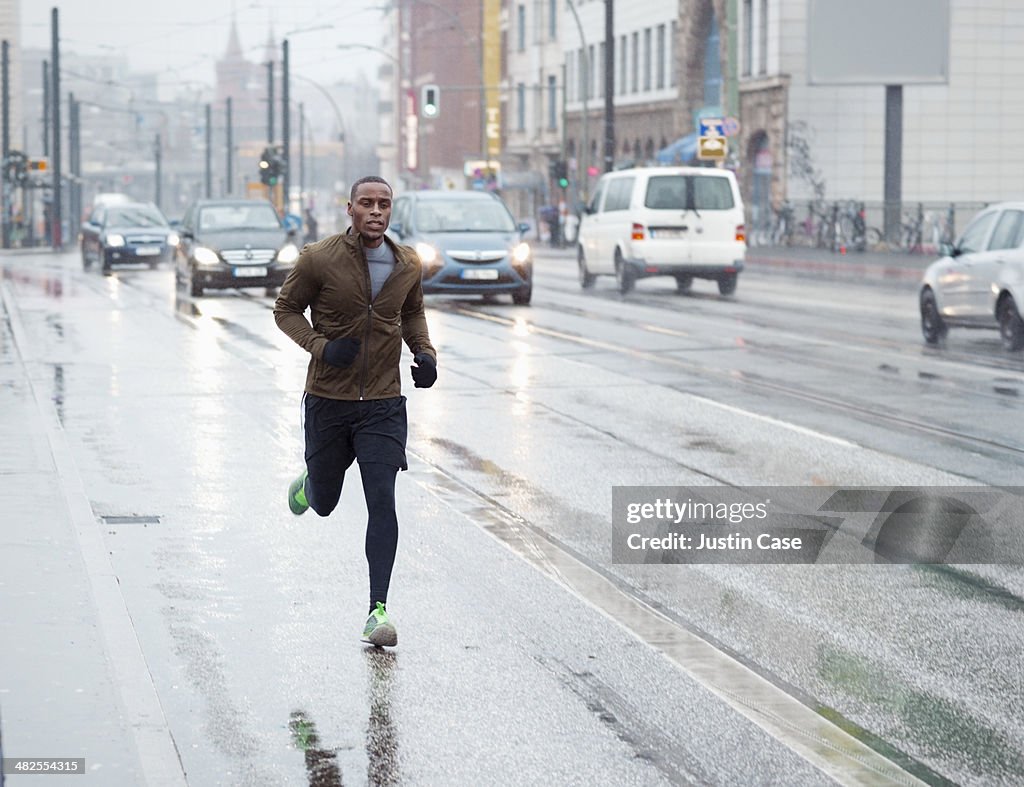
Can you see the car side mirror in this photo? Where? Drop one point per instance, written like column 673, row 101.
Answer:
column 188, row 235
column 523, row 228
column 947, row 249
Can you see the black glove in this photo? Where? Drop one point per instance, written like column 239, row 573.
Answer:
column 342, row 352
column 424, row 373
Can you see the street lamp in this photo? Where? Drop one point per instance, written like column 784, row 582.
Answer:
column 582, row 159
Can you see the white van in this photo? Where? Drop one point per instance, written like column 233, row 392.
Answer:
column 684, row 222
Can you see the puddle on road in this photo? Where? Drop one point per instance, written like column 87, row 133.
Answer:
column 58, row 391
column 52, row 285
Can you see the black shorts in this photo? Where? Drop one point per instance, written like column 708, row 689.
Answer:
column 340, row 431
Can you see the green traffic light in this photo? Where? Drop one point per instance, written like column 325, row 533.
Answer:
column 563, row 182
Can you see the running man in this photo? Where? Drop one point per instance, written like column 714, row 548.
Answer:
column 365, row 297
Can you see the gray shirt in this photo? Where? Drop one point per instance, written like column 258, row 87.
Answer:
column 381, row 261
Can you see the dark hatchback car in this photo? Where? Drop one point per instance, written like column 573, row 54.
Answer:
column 467, row 241
column 126, row 232
column 234, row 243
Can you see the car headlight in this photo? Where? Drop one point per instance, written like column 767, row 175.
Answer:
column 115, row 240
column 426, row 252
column 521, row 253
column 288, row 253
column 173, row 240
column 205, row 256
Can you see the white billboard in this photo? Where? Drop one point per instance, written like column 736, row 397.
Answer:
column 878, row 42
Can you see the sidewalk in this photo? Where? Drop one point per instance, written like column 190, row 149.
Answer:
column 865, row 266
column 60, row 695
column 905, row 269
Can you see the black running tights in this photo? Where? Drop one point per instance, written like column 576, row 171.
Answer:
column 381, row 526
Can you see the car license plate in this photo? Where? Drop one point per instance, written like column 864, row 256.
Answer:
column 666, row 234
column 480, row 273
column 251, row 270
column 147, row 251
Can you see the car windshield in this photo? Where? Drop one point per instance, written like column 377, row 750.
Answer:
column 463, row 216
column 238, row 217
column 683, row 192
column 137, row 216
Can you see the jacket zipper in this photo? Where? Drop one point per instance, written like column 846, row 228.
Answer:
column 369, row 329
column 369, row 320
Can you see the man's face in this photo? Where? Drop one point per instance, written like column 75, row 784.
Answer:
column 371, row 212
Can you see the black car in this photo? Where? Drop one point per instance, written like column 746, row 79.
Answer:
column 126, row 232
column 234, row 243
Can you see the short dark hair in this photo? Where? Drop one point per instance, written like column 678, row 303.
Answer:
column 367, row 179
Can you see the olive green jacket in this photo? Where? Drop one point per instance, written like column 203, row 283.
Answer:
column 332, row 278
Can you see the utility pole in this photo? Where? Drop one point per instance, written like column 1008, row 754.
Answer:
column 6, row 95
column 231, row 151
column 56, row 211
column 46, row 108
column 285, row 124
column 209, row 152
column 157, row 152
column 609, row 85
column 270, row 102
column 302, row 152
column 74, row 160
column 6, row 185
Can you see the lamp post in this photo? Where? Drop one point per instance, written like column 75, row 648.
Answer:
column 582, row 159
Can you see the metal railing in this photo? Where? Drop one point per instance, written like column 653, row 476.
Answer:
column 857, row 226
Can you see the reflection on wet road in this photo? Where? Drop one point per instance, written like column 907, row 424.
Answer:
column 246, row 614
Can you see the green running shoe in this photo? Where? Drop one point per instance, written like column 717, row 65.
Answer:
column 297, row 495
column 380, row 631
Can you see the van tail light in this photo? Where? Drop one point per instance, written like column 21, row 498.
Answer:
column 741, row 233
column 638, row 232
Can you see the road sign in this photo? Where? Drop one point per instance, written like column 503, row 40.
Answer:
column 711, row 148
column 731, row 127
column 710, row 127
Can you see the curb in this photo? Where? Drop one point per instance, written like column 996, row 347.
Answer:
column 860, row 270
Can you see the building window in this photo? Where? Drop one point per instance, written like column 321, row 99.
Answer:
column 569, row 75
column 748, row 37
column 553, row 20
column 660, row 83
column 647, row 58
column 623, row 85
column 712, row 66
column 636, row 63
column 591, row 76
column 581, row 58
column 521, row 24
column 762, row 25
column 520, row 107
column 672, row 57
column 552, row 103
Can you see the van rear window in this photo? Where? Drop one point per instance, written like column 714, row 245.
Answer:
column 688, row 192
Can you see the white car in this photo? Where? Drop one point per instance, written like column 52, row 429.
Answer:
column 684, row 222
column 979, row 283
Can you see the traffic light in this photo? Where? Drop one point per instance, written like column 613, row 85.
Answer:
column 560, row 172
column 271, row 166
column 266, row 167
column 430, row 101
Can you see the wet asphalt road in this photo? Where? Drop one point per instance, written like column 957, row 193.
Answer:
column 181, row 416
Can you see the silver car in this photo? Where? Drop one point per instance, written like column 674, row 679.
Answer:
column 979, row 283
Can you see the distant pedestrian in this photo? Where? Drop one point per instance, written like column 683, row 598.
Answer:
column 365, row 297
column 312, row 228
